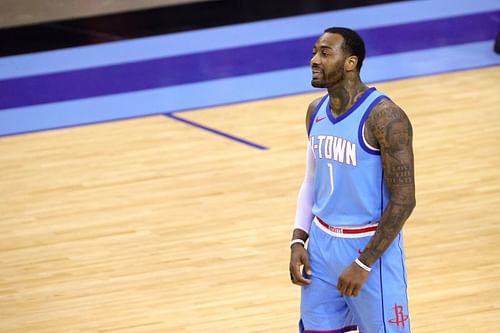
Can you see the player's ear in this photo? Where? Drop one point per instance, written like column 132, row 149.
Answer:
column 350, row 63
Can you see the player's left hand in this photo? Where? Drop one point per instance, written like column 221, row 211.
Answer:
column 351, row 280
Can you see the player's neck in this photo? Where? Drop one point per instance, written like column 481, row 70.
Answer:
column 344, row 94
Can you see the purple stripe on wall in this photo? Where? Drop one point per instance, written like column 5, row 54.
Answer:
column 431, row 34
column 225, row 63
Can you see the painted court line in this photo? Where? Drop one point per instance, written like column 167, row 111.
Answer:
column 217, row 132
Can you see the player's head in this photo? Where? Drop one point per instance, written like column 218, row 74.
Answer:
column 353, row 43
column 337, row 52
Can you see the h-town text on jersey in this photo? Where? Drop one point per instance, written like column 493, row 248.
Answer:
column 334, row 148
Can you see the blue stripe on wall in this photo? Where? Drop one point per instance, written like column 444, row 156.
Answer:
column 235, row 89
column 240, row 61
column 236, row 36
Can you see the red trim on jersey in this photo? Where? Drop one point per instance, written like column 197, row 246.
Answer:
column 347, row 230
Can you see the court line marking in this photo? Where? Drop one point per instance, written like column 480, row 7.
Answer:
column 215, row 131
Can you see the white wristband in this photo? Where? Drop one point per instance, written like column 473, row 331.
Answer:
column 360, row 264
column 298, row 240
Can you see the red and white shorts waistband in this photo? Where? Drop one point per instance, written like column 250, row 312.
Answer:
column 346, row 232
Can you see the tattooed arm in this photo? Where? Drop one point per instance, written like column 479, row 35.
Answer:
column 389, row 129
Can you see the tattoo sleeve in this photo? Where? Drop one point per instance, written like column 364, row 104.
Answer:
column 391, row 129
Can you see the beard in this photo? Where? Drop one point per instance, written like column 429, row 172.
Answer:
column 317, row 80
column 317, row 84
column 324, row 81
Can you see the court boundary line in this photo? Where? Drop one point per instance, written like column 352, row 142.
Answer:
column 215, row 131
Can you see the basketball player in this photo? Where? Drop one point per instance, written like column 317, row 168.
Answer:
column 357, row 193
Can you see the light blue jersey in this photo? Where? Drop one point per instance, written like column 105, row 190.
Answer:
column 350, row 196
column 349, row 187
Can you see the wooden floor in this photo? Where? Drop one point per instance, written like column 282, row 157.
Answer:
column 151, row 225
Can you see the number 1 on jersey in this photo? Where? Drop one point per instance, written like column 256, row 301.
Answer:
column 330, row 167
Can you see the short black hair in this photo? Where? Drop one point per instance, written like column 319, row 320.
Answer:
column 353, row 43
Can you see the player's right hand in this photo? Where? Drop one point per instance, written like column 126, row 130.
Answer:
column 299, row 258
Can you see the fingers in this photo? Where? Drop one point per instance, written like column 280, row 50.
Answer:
column 351, row 280
column 341, row 285
column 298, row 277
column 348, row 288
column 307, row 266
column 352, row 290
column 355, row 291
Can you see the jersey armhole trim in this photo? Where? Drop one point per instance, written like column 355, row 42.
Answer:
column 361, row 130
column 311, row 121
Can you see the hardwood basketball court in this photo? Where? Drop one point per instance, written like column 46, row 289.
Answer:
column 153, row 225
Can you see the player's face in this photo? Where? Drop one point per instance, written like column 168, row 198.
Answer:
column 327, row 62
column 399, row 132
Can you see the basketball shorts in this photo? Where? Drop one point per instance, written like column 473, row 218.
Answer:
column 382, row 304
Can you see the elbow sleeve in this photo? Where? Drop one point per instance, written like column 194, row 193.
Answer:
column 305, row 200
column 303, row 213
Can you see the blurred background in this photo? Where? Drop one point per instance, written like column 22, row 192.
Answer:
column 116, row 51
column 151, row 152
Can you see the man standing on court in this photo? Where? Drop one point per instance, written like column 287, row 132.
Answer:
column 357, row 193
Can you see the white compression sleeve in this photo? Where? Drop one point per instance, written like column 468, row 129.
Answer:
column 305, row 200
